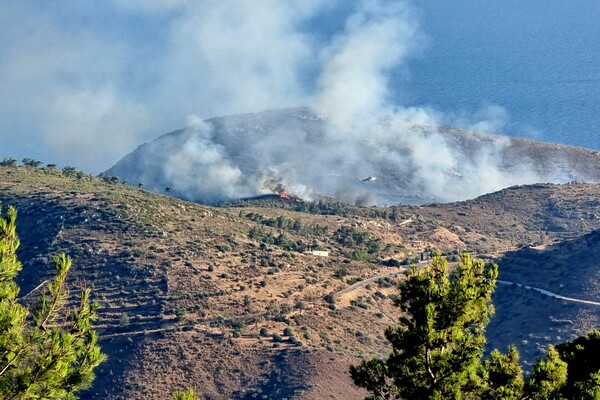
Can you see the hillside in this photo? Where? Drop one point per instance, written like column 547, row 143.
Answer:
column 186, row 289
column 306, row 154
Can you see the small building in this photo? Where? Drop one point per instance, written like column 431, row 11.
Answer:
column 319, row 253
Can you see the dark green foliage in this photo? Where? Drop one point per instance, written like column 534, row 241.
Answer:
column 583, row 363
column 330, row 299
column 180, row 315
column 438, row 346
column 363, row 245
column 124, row 321
column 282, row 224
column 69, row 171
column 8, row 162
column 502, row 376
column 44, row 353
column 588, row 389
column 340, row 273
column 295, row 225
column 30, row 162
column 327, row 208
column 547, row 378
column 288, row 331
column 392, row 263
column 108, row 178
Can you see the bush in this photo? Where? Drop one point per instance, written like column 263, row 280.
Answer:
column 180, row 315
column 340, row 273
column 124, row 321
column 330, row 299
column 294, row 340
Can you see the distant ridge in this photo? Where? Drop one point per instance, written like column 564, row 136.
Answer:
column 302, row 152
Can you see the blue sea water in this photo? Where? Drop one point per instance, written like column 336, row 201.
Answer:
column 539, row 59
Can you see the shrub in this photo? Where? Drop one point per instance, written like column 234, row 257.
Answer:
column 180, row 315
column 124, row 321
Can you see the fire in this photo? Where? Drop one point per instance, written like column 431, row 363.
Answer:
column 286, row 197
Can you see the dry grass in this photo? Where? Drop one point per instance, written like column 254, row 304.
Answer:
column 186, row 289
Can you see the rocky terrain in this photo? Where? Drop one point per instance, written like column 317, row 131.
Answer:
column 272, row 299
column 310, row 155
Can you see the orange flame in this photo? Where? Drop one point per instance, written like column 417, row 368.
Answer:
column 286, row 197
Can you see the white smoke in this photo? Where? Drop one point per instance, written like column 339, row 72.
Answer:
column 355, row 95
column 357, row 131
column 354, row 80
column 92, row 94
column 93, row 122
column 200, row 166
column 238, row 56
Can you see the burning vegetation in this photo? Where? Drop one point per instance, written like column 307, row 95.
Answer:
column 289, row 198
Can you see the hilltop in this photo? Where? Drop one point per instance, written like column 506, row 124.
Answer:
column 311, row 155
column 200, row 295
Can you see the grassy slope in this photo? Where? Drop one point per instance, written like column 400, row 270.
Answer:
column 185, row 290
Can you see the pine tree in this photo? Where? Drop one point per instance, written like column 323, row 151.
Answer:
column 44, row 352
column 502, row 376
column 189, row 394
column 583, row 366
column 439, row 343
column 547, row 377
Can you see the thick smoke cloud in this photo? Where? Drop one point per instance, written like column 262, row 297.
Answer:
column 357, row 131
column 220, row 177
column 91, row 85
column 354, row 80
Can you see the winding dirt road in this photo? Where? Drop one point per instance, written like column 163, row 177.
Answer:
column 551, row 294
column 365, row 282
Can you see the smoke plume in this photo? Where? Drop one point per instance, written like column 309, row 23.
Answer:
column 91, row 85
column 354, row 131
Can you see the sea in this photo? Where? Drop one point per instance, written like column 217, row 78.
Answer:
column 537, row 59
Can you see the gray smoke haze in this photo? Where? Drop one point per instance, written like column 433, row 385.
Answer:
column 83, row 85
column 355, row 131
column 301, row 152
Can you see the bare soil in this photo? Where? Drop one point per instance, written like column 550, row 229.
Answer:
column 192, row 297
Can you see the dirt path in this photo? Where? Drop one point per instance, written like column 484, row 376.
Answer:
column 365, row 282
column 551, row 294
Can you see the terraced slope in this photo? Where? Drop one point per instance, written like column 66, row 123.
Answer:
column 202, row 296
